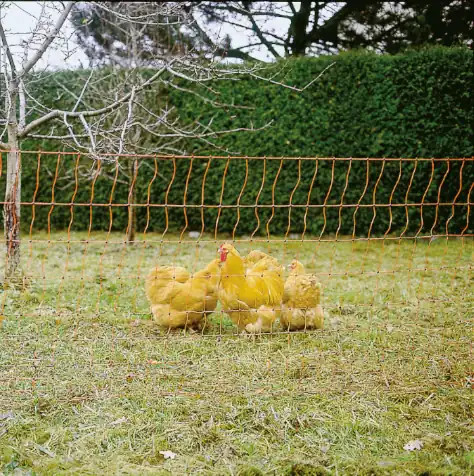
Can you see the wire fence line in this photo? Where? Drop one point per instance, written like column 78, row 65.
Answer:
column 93, row 229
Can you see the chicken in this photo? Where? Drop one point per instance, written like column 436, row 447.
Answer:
column 250, row 288
column 258, row 256
column 179, row 299
column 301, row 308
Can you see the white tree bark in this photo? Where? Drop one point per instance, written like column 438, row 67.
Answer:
column 11, row 210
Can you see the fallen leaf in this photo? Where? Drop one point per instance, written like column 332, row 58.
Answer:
column 413, row 445
column 325, row 448
column 119, row 421
column 152, row 362
column 167, row 454
column 6, row 416
column 44, row 450
column 335, row 321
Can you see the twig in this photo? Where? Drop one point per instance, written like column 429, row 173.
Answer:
column 49, row 39
column 7, row 50
column 293, row 88
column 97, row 112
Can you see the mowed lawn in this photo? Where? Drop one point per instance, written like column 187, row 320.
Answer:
column 89, row 385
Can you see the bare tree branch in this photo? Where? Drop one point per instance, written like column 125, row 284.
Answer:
column 293, row 88
column 89, row 131
column 79, row 99
column 127, row 121
column 259, row 33
column 48, row 40
column 71, row 132
column 22, row 111
column 97, row 112
column 143, row 19
column 7, row 49
column 229, row 52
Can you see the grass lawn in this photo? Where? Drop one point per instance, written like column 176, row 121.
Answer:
column 89, row 385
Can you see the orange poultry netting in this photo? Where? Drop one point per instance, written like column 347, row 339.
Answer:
column 374, row 234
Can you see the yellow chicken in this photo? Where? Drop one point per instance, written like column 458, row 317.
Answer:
column 250, row 289
column 301, row 308
column 258, row 256
column 179, row 299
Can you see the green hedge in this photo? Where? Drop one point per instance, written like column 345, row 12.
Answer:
column 416, row 104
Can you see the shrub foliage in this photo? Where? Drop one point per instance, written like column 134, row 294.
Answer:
column 415, row 104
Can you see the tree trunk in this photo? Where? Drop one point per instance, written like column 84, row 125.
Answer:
column 11, row 210
column 132, row 196
column 298, row 27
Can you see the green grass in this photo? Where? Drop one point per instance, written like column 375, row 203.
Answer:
column 89, row 385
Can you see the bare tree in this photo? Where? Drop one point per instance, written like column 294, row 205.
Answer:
column 108, row 112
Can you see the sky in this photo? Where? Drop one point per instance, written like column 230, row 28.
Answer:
column 20, row 19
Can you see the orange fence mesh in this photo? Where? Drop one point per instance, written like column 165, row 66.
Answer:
column 378, row 233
